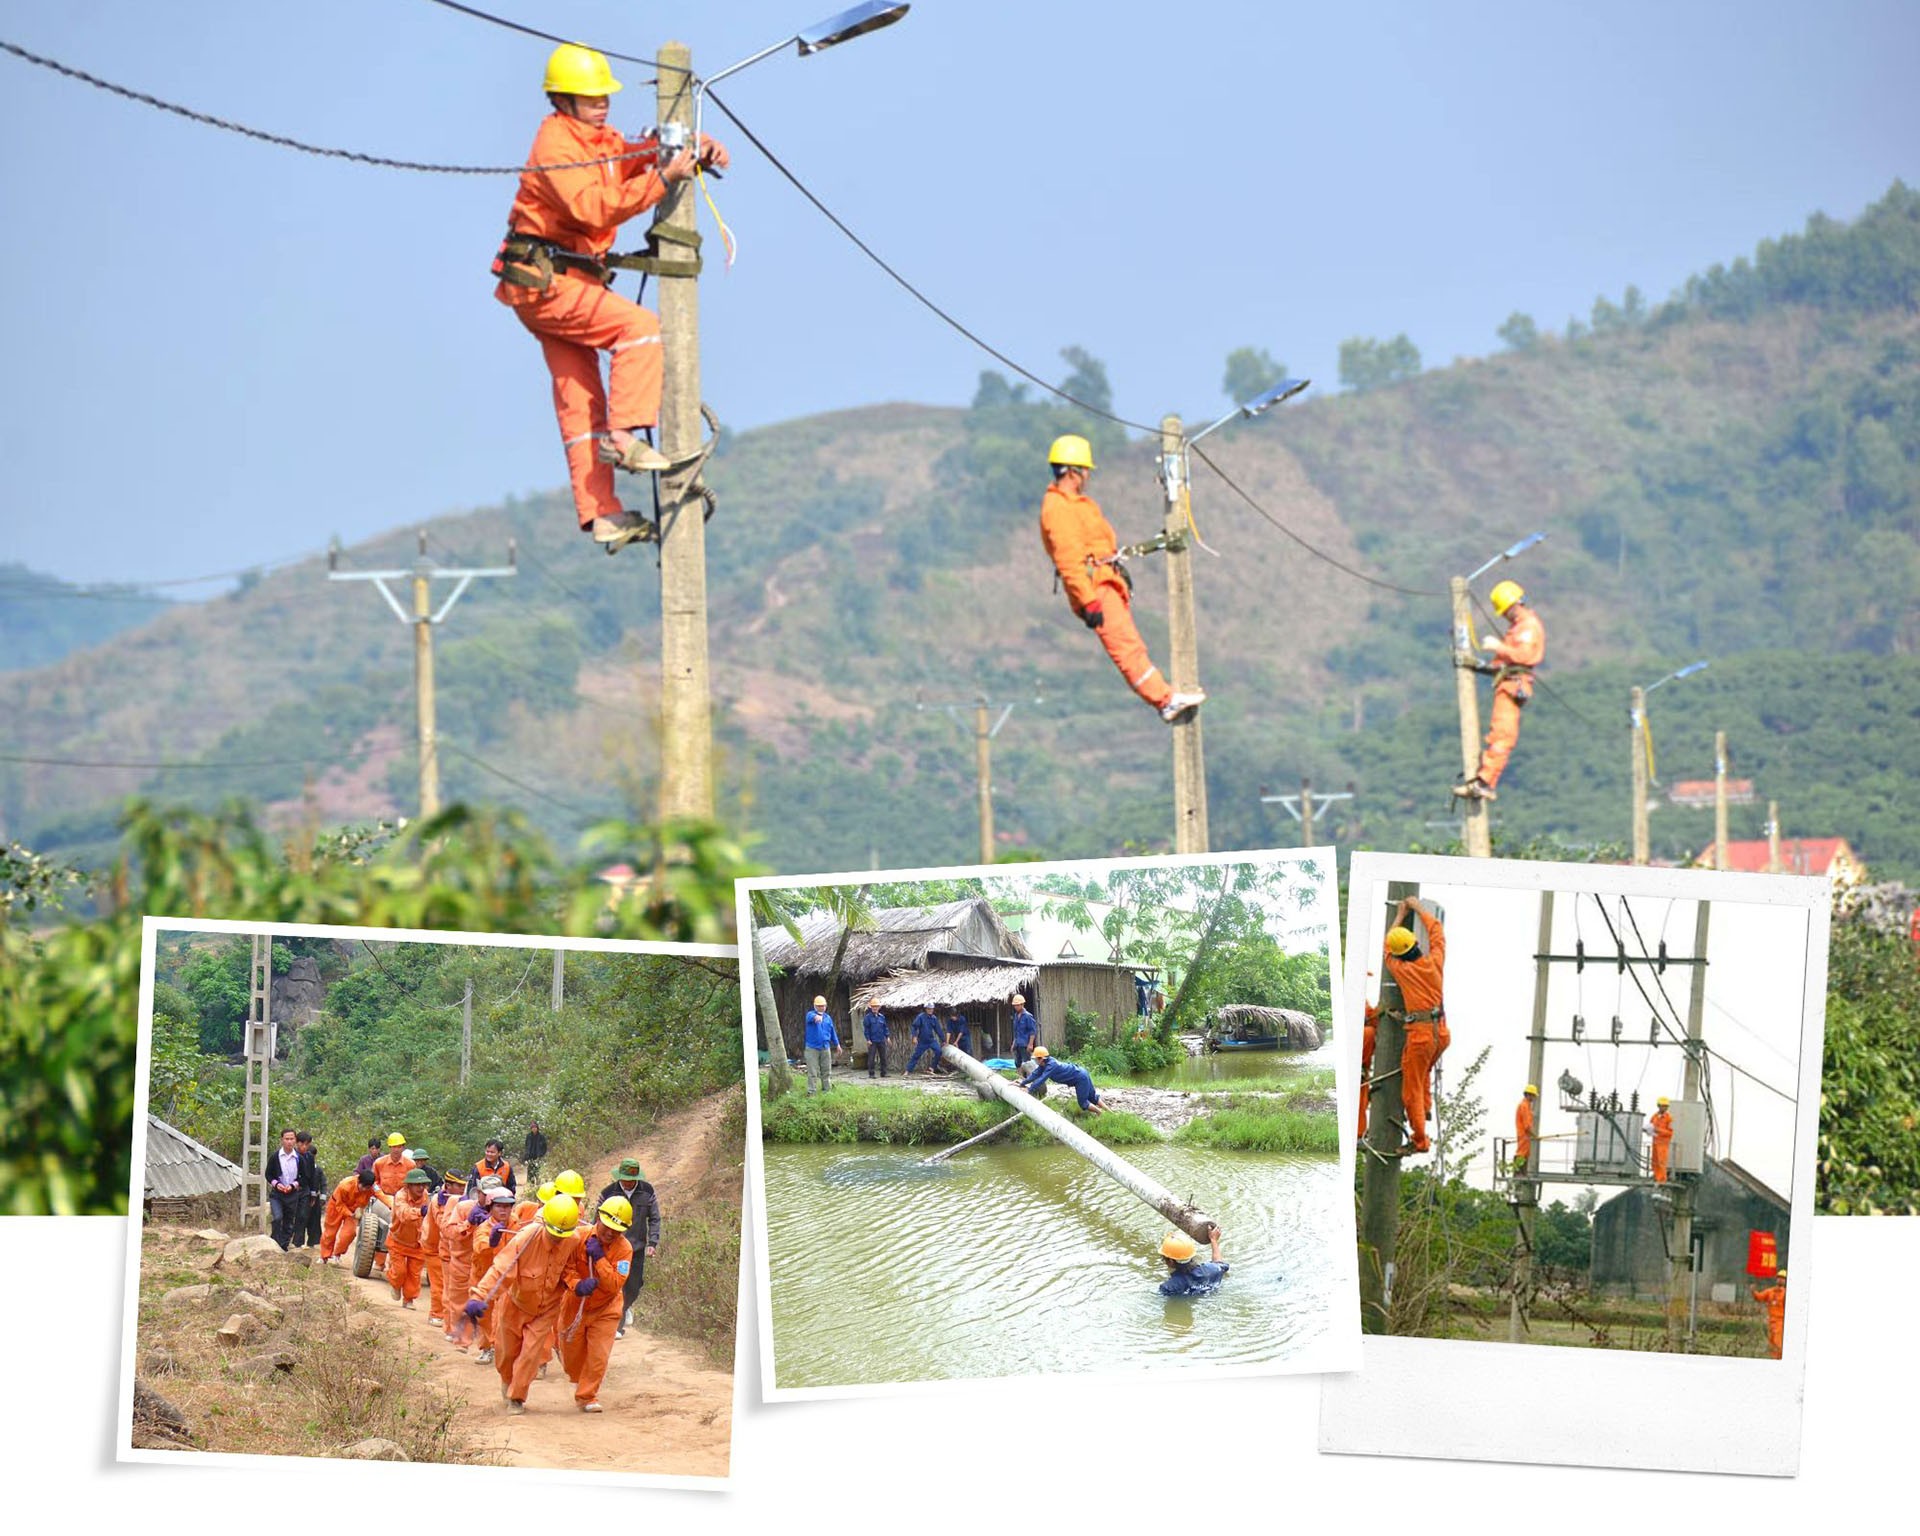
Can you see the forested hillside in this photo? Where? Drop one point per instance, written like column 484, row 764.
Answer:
column 1729, row 474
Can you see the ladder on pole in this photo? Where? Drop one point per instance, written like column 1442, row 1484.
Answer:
column 254, row 1211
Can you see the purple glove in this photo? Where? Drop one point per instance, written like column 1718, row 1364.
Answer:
column 476, row 1216
column 441, row 1198
column 475, row 1307
column 595, row 1248
column 586, row 1287
column 493, row 1239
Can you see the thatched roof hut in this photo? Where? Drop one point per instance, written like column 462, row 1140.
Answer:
column 901, row 940
column 1294, row 1030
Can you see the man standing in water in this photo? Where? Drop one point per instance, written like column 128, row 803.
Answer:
column 1188, row 1274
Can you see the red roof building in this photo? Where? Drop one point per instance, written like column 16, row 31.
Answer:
column 1829, row 856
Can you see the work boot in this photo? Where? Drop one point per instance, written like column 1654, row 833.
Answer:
column 593, row 1407
column 1182, row 707
column 1475, row 788
column 485, row 1357
column 515, row 1406
column 622, row 528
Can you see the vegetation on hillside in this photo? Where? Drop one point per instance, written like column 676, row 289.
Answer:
column 1869, row 1160
column 43, row 618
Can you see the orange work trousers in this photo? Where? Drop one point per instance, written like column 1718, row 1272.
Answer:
column 522, row 1342
column 1502, row 731
column 1661, row 1146
column 436, row 1281
column 1416, row 1061
column 459, row 1272
column 404, row 1270
column 575, row 320
column 1121, row 638
column 586, row 1351
column 340, row 1234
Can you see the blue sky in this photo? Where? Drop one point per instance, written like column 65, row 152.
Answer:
column 221, row 353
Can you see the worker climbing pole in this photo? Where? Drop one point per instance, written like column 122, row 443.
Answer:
column 1382, row 1149
column 583, row 180
column 1515, row 655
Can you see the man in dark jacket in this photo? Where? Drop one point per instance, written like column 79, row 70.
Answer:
column 874, row 1026
column 644, row 1234
column 535, row 1149
column 927, row 1035
column 313, row 1199
column 1026, row 1032
column 959, row 1032
column 289, row 1175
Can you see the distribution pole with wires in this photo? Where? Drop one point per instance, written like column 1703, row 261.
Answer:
column 686, row 698
column 1526, row 1190
column 1189, row 755
column 983, row 733
column 423, row 617
column 1304, row 806
column 1719, row 799
column 1682, row 1264
column 1475, row 835
column 1380, row 1168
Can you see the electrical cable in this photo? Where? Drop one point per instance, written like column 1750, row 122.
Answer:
column 159, row 765
column 501, row 773
column 1319, row 554
column 281, row 141
column 551, row 37
column 136, row 590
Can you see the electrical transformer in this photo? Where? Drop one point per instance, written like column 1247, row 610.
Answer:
column 1608, row 1141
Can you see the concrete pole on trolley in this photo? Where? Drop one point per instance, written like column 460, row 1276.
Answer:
column 1719, row 799
column 1526, row 1190
column 1641, row 840
column 1190, row 1219
column 1475, row 834
column 1189, row 758
column 1680, row 1277
column 1380, row 1156
column 686, row 700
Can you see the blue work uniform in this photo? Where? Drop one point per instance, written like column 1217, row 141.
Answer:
column 926, row 1038
column 1068, row 1075
column 874, row 1027
column 821, row 1034
column 962, row 1033
column 1196, row 1277
column 1026, row 1034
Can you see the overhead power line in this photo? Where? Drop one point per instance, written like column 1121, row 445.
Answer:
column 79, row 762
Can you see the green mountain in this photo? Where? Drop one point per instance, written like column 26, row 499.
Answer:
column 1731, row 474
column 43, row 618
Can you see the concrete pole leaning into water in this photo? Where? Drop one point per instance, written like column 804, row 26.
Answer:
column 1195, row 1223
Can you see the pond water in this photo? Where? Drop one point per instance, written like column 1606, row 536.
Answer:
column 1224, row 1066
column 1027, row 1260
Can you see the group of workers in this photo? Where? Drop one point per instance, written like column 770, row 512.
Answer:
column 530, row 1276
column 1659, row 1124
column 931, row 1029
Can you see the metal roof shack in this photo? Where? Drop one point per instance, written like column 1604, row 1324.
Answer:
column 179, row 1168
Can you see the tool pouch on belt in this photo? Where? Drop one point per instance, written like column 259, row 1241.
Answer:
column 1114, row 564
column 1520, row 679
column 524, row 263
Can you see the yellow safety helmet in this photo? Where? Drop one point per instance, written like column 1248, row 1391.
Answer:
column 545, row 1193
column 617, row 1212
column 1071, row 452
column 1019, row 1000
column 1533, row 1090
column 561, row 1214
column 1779, row 1274
column 819, row 1002
column 567, row 1182
column 1041, row 1053
column 1400, row 940
column 1504, row 595
column 396, row 1140
column 1663, row 1101
column 573, row 69
column 1178, row 1247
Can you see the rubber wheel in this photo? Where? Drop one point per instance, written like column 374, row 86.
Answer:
column 366, row 1244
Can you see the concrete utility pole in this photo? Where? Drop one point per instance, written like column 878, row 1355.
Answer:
column 1719, row 799
column 1304, row 806
column 1380, row 1155
column 1680, row 1276
column 1638, row 718
column 1189, row 757
column 1475, row 833
column 466, row 1034
column 983, row 734
column 422, row 617
column 686, row 700
column 1773, row 837
column 1526, row 1192
column 254, row 1207
column 559, row 978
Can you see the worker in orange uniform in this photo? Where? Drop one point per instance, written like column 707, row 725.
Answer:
column 1369, row 1032
column 606, row 1259
column 1419, row 974
column 529, row 1283
column 1084, row 550
column 391, row 1171
column 1523, row 1127
column 1774, row 1299
column 562, row 222
column 456, row 1259
column 1662, row 1127
column 407, row 1239
column 450, row 1188
column 1515, row 655
column 490, row 1233
column 349, row 1198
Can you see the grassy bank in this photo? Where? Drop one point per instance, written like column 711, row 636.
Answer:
column 1314, row 1082
column 1301, row 1123
column 693, row 1283
column 908, row 1117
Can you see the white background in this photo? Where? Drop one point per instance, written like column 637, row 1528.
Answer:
column 1216, row 1454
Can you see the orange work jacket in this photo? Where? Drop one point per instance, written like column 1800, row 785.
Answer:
column 391, row 1175
column 1525, row 641
column 1421, row 988
column 580, row 209
column 412, row 1231
column 1074, row 529
column 610, row 1270
column 533, row 1267
column 1523, row 1130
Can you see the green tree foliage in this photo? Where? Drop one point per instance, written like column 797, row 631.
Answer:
column 1563, row 1239
column 1087, row 383
column 1250, row 371
column 1869, row 1159
column 1369, row 364
column 1519, row 333
column 68, row 995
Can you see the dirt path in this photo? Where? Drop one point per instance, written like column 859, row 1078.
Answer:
column 668, row 1410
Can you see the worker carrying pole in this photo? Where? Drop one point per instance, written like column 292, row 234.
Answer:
column 1086, row 554
column 1515, row 655
column 583, row 180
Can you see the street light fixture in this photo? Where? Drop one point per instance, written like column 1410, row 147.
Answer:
column 1643, row 774
column 819, row 37
column 1507, row 554
column 1285, row 390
